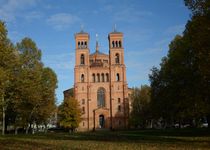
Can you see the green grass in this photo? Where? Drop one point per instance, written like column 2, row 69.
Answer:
column 142, row 139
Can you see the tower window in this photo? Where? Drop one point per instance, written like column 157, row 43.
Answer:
column 82, row 44
column 83, row 101
column 79, row 44
column 102, row 77
column 120, row 44
column 98, row 77
column 94, row 77
column 82, row 59
column 117, row 58
column 119, row 108
column 107, row 77
column 83, row 110
column 85, row 44
column 82, row 78
column 116, row 43
column 112, row 43
column 118, row 77
column 118, row 100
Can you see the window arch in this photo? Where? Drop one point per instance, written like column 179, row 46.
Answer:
column 82, row 78
column 101, row 97
column 107, row 77
column 82, row 59
column 112, row 43
column 94, row 77
column 117, row 58
column 98, row 77
column 116, row 43
column 118, row 77
column 79, row 44
column 120, row 44
column 85, row 44
column 102, row 77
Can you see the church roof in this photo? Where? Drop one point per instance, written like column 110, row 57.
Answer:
column 82, row 32
column 97, row 53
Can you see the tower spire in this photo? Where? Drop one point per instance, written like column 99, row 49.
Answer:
column 82, row 28
column 97, row 47
column 115, row 27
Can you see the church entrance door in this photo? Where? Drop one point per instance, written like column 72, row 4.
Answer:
column 101, row 121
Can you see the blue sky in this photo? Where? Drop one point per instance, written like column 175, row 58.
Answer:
column 148, row 28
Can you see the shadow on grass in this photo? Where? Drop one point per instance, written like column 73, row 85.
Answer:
column 186, row 136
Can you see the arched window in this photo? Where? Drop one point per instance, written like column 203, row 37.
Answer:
column 117, row 58
column 118, row 77
column 116, row 43
column 119, row 108
column 118, row 100
column 102, row 77
column 82, row 59
column 107, row 77
column 98, row 77
column 79, row 44
column 82, row 78
column 112, row 43
column 82, row 44
column 120, row 44
column 94, row 77
column 85, row 44
column 83, row 110
column 101, row 97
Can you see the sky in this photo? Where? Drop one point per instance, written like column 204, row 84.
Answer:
column 148, row 27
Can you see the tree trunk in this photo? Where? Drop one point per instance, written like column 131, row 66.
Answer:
column 16, row 130
column 3, row 117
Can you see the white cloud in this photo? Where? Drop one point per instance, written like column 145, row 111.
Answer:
column 62, row 21
column 33, row 15
column 10, row 10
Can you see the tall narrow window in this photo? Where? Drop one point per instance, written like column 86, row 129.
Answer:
column 101, row 97
column 94, row 77
column 85, row 44
column 82, row 44
column 112, row 43
column 82, row 78
column 82, row 59
column 118, row 77
column 98, row 77
column 117, row 58
column 79, row 44
column 107, row 77
column 102, row 77
column 118, row 100
column 119, row 108
column 120, row 44
column 83, row 110
column 116, row 43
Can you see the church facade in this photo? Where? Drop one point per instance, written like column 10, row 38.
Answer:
column 100, row 84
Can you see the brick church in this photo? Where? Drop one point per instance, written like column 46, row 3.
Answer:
column 100, row 83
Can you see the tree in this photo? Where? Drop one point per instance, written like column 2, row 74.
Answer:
column 69, row 114
column 47, row 106
column 8, row 59
column 140, row 114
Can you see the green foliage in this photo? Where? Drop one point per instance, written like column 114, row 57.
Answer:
column 180, row 88
column 69, row 113
column 27, row 88
column 140, row 114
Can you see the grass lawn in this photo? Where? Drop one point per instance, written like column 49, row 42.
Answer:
column 141, row 139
